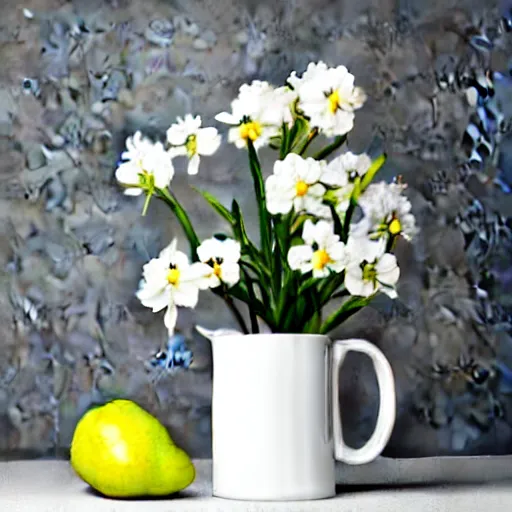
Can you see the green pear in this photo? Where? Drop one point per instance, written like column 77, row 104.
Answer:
column 122, row 451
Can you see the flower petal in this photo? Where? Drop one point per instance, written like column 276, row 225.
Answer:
column 170, row 318
column 279, row 195
column 355, row 284
column 231, row 250
column 167, row 253
column 213, row 281
column 225, row 117
column 208, row 141
column 230, row 273
column 388, row 271
column 299, row 257
column 177, row 151
column 155, row 302
column 208, row 250
column 198, row 274
column 193, row 165
column 132, row 191
column 186, row 294
column 128, row 173
column 176, row 135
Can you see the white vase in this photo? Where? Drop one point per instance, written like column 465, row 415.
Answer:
column 276, row 425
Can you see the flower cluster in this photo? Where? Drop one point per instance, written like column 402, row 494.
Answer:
column 311, row 250
column 170, row 280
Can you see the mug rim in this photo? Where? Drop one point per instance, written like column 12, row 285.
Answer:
column 281, row 335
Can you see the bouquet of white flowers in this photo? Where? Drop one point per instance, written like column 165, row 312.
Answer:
column 311, row 250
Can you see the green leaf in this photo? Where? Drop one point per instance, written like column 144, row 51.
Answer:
column 223, row 293
column 338, row 227
column 286, row 297
column 298, row 134
column 299, row 126
column 250, row 265
column 348, row 217
column 252, row 297
column 311, row 318
column 298, row 223
column 347, row 309
column 240, row 292
column 239, row 224
column 247, row 247
column 342, row 293
column 291, row 305
column 166, row 196
column 372, row 171
column 282, row 234
column 256, row 275
column 217, row 205
column 283, row 150
column 329, row 287
column 309, row 283
column 259, row 189
column 331, row 148
column 312, row 135
column 277, row 271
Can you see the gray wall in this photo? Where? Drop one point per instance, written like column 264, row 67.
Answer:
column 72, row 246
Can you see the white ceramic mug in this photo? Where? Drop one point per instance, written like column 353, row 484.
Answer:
column 276, row 423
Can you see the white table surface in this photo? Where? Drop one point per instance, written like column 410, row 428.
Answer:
column 410, row 485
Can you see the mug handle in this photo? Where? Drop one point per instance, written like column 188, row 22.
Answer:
column 387, row 408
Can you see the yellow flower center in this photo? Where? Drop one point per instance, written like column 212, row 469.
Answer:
column 334, row 101
column 320, row 259
column 250, row 130
column 301, row 188
column 217, row 270
column 191, row 145
column 395, row 227
column 369, row 272
column 173, row 276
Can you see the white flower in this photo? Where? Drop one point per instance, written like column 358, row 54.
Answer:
column 327, row 96
column 222, row 256
column 346, row 167
column 257, row 113
column 170, row 281
column 370, row 268
column 340, row 175
column 278, row 107
column 188, row 138
column 295, row 183
column 387, row 212
column 322, row 253
column 147, row 166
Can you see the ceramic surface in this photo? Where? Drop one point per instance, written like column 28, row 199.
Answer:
column 276, row 430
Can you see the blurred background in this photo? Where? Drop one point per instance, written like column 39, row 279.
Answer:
column 77, row 77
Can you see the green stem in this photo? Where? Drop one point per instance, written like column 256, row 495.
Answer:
column 253, row 268
column 146, row 203
column 252, row 296
column 299, row 126
column 285, row 142
column 312, row 135
column 347, row 309
column 183, row 219
column 372, row 171
column 232, row 307
column 259, row 188
column 338, row 142
column 348, row 218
